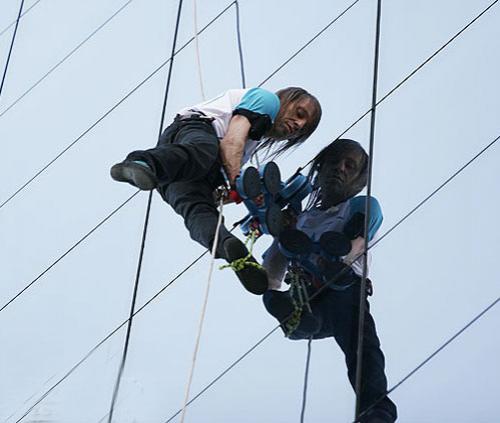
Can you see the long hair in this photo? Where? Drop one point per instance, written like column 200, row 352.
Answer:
column 337, row 148
column 287, row 97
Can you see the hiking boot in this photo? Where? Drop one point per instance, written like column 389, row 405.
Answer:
column 136, row 173
column 280, row 305
column 253, row 278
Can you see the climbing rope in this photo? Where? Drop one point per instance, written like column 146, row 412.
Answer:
column 203, row 310
column 197, row 49
column 240, row 47
column 306, row 380
column 145, row 229
column 362, row 291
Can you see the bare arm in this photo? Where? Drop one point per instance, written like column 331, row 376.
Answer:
column 358, row 246
column 233, row 145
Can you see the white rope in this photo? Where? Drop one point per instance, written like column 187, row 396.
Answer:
column 203, row 310
column 197, row 49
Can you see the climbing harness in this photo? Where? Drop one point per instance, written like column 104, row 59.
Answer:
column 321, row 259
column 299, row 296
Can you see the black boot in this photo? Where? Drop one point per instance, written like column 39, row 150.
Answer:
column 251, row 275
column 136, row 173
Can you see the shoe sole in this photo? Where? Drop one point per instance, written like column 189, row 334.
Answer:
column 135, row 174
column 253, row 279
column 271, row 178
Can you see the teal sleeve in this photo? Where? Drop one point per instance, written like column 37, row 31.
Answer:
column 376, row 217
column 259, row 100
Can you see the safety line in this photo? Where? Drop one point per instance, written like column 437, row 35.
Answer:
column 240, row 48
column 362, row 291
column 337, row 277
column 11, row 47
column 105, row 115
column 66, row 57
column 203, row 311
column 3, row 31
column 306, row 380
column 431, row 356
column 220, row 218
column 145, row 230
column 413, row 73
column 76, row 244
column 227, row 370
column 197, row 49
column 196, row 260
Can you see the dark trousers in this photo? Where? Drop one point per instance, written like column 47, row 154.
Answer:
column 187, row 165
column 338, row 312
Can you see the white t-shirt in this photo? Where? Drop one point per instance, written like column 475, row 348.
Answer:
column 221, row 109
column 314, row 223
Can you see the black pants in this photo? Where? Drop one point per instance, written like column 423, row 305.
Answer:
column 338, row 312
column 187, row 165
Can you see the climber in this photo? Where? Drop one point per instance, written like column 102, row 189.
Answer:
column 322, row 252
column 206, row 146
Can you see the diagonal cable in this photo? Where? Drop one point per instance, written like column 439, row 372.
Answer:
column 145, row 230
column 6, row 68
column 106, row 338
column 76, row 244
column 109, row 111
column 308, row 43
column 25, row 11
column 414, row 72
column 433, row 354
column 66, row 57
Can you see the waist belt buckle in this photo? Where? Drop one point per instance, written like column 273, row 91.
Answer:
column 195, row 116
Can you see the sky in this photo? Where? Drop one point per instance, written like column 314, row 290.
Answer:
column 431, row 275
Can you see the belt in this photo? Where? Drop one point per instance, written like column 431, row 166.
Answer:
column 200, row 116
